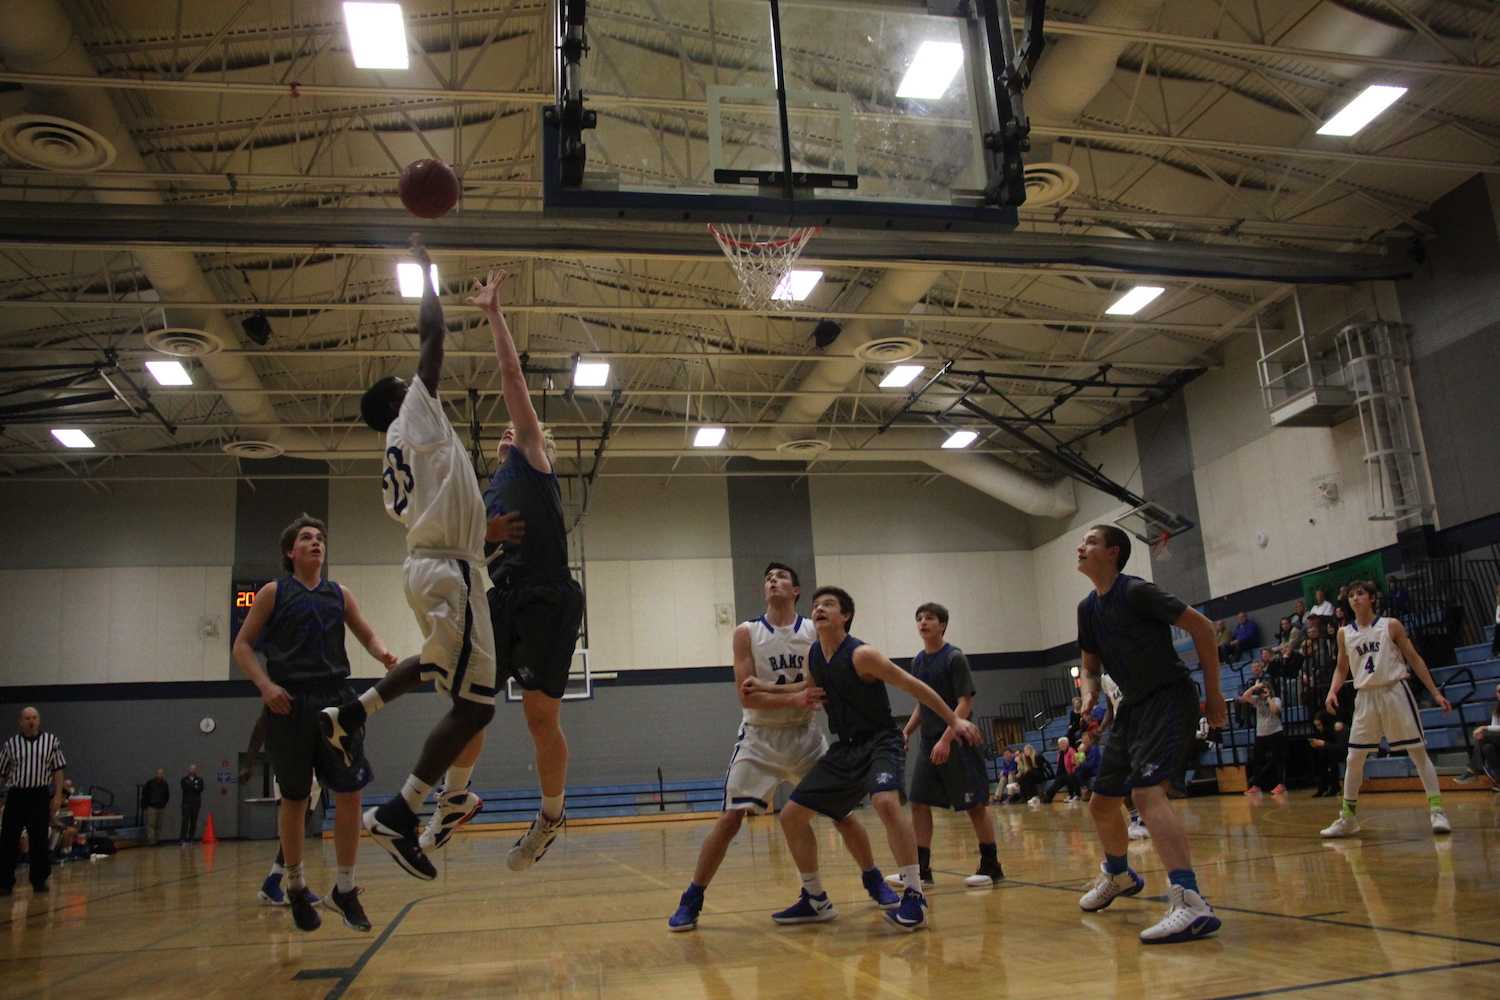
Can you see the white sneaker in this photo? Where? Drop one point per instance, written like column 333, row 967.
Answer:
column 1035, row 800
column 1188, row 917
column 453, row 811
column 1138, row 831
column 1106, row 887
column 533, row 844
column 1344, row 826
column 1440, row 822
column 900, row 883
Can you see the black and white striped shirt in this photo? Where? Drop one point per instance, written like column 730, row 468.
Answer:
column 30, row 763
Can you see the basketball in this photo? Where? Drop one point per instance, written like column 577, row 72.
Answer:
column 429, row 188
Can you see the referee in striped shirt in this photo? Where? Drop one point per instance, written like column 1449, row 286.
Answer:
column 32, row 765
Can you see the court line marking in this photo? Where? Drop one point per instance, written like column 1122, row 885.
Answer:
column 347, row 976
column 1361, row 979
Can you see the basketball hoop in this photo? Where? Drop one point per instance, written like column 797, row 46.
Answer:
column 1159, row 547
column 762, row 258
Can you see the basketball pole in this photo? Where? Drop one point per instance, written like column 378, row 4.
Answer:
column 786, row 131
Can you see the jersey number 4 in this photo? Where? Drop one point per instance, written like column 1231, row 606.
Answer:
column 1369, row 664
column 397, row 478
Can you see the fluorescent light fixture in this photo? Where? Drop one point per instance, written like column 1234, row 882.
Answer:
column 72, row 437
column 932, row 69
column 900, row 376
column 591, row 373
column 169, row 373
column 708, row 437
column 960, row 439
column 1362, row 110
column 409, row 277
column 1134, row 300
column 796, row 285
column 377, row 35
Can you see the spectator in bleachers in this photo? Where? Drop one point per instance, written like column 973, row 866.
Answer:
column 1341, row 603
column 1031, row 773
column 1268, row 759
column 1319, row 657
column 1340, row 618
column 1246, row 636
column 1076, row 722
column 1329, row 744
column 1298, row 617
column 1222, row 633
column 1486, row 756
column 1322, row 606
column 1007, row 776
column 1286, row 664
column 1400, row 597
column 1089, row 756
column 1067, row 764
column 1288, row 634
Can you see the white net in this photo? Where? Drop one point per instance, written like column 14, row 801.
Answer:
column 763, row 258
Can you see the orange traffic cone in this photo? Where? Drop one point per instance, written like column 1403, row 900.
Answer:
column 208, row 831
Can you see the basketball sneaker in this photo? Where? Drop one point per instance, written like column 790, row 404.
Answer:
column 1138, row 830
column 925, row 874
column 808, row 909
column 393, row 826
column 1188, row 917
column 453, row 811
column 347, row 905
column 1344, row 826
column 1279, row 790
column 1106, row 887
column 688, row 908
column 911, row 915
column 304, row 911
column 338, row 735
column 1440, row 822
column 532, row 845
column 270, row 891
column 988, row 875
column 879, row 891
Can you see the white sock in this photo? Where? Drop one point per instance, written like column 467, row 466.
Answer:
column 552, row 806
column 1425, row 771
column 372, row 701
column 277, row 868
column 912, row 876
column 415, row 792
column 294, row 879
column 345, row 881
column 812, row 883
column 458, row 778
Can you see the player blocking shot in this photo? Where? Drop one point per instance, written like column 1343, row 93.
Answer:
column 848, row 681
column 535, row 604
column 1124, row 626
column 297, row 623
column 429, row 486
column 779, row 741
column 1380, row 654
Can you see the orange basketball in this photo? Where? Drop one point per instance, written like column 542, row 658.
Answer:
column 429, row 188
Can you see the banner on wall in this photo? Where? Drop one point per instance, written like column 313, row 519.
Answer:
column 1370, row 567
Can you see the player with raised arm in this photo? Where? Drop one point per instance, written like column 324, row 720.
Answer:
column 779, row 741
column 1383, row 705
column 848, row 680
column 1124, row 626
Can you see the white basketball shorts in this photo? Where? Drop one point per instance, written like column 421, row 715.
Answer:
column 458, row 642
column 1389, row 712
column 766, row 756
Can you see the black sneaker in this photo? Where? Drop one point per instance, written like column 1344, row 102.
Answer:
column 989, row 874
column 393, row 826
column 304, row 914
column 347, row 906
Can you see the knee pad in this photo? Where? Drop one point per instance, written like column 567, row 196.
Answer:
column 473, row 713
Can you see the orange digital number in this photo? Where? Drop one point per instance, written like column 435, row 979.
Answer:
column 244, row 598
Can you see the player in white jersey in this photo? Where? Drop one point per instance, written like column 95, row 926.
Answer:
column 779, row 742
column 1113, row 696
column 430, row 487
column 1382, row 658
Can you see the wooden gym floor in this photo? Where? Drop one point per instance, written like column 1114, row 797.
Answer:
column 1394, row 913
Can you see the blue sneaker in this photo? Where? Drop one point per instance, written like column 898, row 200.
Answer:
column 271, row 893
column 882, row 894
column 688, row 908
column 808, row 909
column 911, row 915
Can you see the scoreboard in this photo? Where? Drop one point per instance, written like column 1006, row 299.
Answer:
column 241, row 597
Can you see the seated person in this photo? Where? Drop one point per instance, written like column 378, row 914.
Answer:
column 1486, row 756
column 1246, row 636
column 1067, row 763
column 1329, row 744
column 1032, row 772
column 1088, row 758
column 1008, row 767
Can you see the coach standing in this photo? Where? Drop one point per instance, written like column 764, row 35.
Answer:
column 31, row 763
column 192, row 801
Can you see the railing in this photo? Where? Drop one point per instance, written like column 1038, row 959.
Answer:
column 1460, row 703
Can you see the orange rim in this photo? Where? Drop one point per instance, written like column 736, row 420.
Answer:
column 801, row 235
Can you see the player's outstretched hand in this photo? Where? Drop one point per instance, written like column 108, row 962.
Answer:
column 939, row 755
column 811, row 697
column 276, row 699
column 487, row 292
column 419, row 251
column 1217, row 714
column 968, row 732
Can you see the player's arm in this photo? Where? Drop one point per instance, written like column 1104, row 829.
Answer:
column 1340, row 675
column 1414, row 660
column 1201, row 629
column 431, row 329
column 512, row 378
column 364, row 631
column 1090, row 669
column 744, row 678
column 911, row 724
column 507, row 528
column 243, row 653
column 871, row 664
column 58, row 777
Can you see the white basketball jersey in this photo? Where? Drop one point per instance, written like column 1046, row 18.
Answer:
column 1373, row 656
column 427, row 483
column 1111, row 691
column 780, row 657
